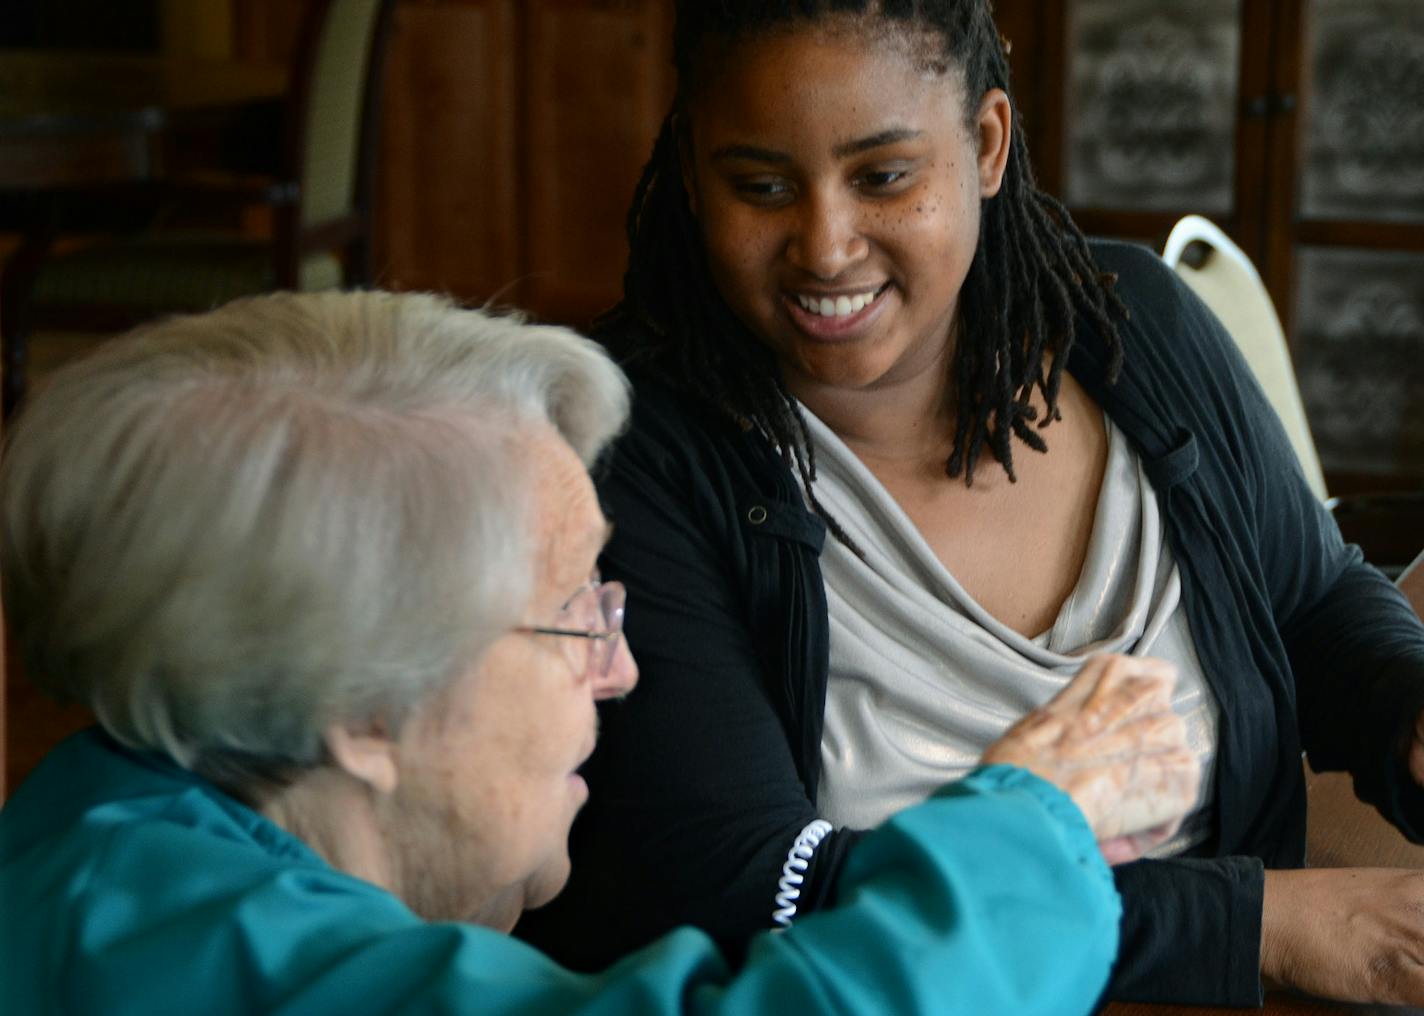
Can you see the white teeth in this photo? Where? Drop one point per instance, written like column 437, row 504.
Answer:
column 841, row 306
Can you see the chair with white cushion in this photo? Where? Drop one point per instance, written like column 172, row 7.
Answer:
column 1226, row 280
column 1388, row 525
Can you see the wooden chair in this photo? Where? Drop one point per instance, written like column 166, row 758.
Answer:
column 321, row 201
column 1224, row 277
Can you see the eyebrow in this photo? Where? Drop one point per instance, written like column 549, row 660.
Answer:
column 892, row 136
column 749, row 153
column 603, row 536
column 753, row 153
column 599, row 540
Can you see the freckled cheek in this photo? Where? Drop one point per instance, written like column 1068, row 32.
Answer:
column 742, row 251
column 951, row 220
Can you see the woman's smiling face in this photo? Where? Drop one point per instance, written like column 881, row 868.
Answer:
column 838, row 188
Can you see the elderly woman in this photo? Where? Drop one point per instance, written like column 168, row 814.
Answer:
column 324, row 568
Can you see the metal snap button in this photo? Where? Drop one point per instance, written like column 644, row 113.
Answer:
column 756, row 515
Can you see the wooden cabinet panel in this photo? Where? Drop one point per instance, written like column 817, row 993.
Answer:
column 1348, row 231
column 1150, row 105
column 265, row 30
column 513, row 136
column 1360, row 359
column 598, row 83
column 447, row 188
column 1310, row 161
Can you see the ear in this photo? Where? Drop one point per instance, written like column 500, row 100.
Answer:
column 683, row 131
column 369, row 756
column 995, row 123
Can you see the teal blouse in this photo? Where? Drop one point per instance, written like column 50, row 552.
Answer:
column 128, row 885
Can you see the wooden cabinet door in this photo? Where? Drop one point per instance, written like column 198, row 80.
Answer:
column 1346, row 229
column 513, row 137
column 1298, row 126
column 598, row 81
column 1139, row 111
column 448, row 190
column 262, row 30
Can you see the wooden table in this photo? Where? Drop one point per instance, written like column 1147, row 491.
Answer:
column 82, row 119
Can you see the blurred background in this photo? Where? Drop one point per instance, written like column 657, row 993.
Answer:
column 513, row 132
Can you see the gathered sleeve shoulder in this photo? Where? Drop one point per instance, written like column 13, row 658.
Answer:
column 1021, row 917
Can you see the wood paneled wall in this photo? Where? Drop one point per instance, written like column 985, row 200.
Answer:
column 448, row 205
column 514, row 133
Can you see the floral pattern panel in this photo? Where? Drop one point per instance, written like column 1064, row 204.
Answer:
column 1360, row 358
column 1150, row 110
column 1364, row 111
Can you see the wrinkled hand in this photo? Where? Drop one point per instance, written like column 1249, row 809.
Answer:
column 1352, row 934
column 1112, row 743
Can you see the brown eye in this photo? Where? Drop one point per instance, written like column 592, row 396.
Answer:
column 762, row 190
column 882, row 179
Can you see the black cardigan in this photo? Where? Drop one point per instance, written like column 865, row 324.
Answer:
column 704, row 776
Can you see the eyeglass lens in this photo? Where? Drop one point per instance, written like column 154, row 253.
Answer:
column 612, row 599
column 598, row 607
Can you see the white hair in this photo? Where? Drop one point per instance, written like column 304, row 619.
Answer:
column 228, row 530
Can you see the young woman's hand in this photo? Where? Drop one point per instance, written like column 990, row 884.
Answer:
column 1111, row 741
column 1353, row 934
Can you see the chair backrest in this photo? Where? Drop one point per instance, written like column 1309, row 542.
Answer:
column 333, row 115
column 1229, row 284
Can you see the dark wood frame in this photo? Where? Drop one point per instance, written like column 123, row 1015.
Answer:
column 1269, row 138
column 1040, row 60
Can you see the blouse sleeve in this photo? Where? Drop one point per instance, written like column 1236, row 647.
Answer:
column 1355, row 646
column 1292, row 592
column 1020, row 917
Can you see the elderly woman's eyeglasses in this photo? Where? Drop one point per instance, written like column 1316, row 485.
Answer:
column 594, row 613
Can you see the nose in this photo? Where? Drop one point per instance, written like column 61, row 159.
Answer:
column 828, row 237
column 622, row 674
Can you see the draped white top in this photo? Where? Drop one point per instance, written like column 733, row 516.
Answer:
column 923, row 679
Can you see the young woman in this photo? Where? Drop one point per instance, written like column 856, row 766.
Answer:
column 906, row 449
